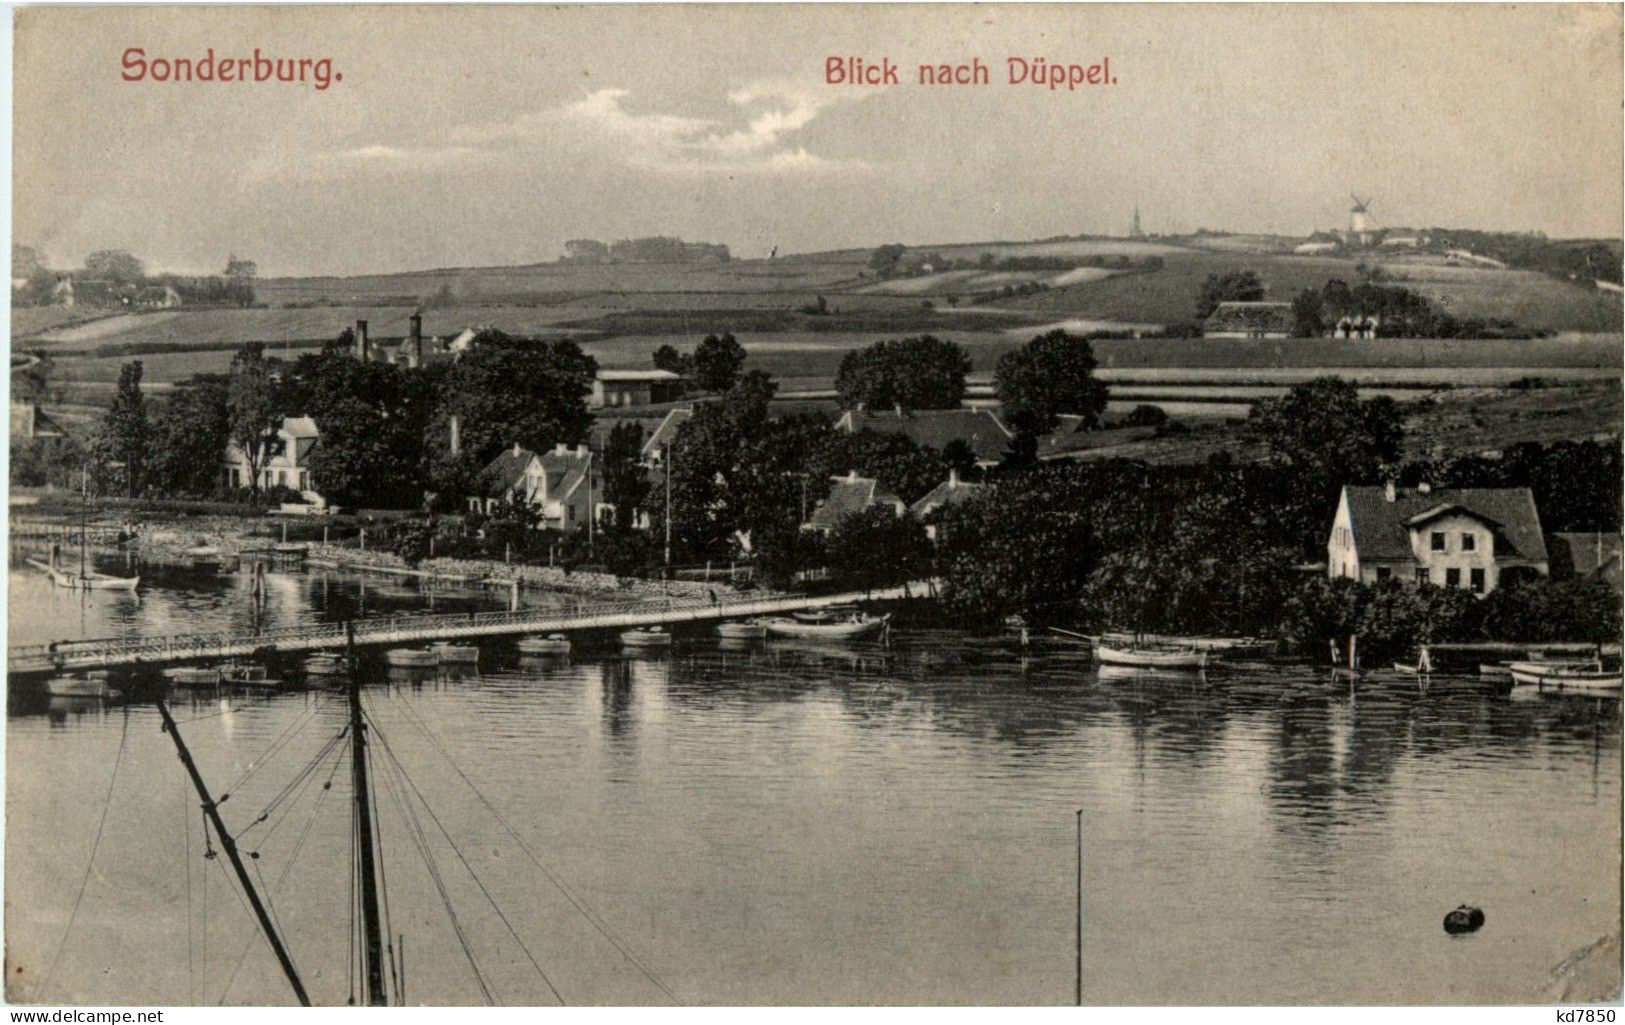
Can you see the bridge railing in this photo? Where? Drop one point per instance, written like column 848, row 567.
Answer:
column 313, row 635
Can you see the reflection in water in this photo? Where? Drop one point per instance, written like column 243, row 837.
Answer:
column 795, row 822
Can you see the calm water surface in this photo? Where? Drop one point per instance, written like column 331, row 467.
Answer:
column 797, row 823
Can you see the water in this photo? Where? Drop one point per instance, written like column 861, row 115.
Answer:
column 799, row 823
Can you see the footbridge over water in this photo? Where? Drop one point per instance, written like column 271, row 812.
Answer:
column 107, row 653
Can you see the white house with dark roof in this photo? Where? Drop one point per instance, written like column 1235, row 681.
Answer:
column 565, row 485
column 952, row 491
column 1452, row 537
column 288, row 466
column 849, row 496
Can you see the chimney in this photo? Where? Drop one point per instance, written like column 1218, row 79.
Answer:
column 417, row 338
column 456, row 434
column 1388, row 491
column 516, row 449
column 953, row 478
column 361, row 346
column 852, row 476
column 1424, row 488
column 581, row 451
column 561, row 449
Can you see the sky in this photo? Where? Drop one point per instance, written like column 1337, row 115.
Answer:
column 473, row 136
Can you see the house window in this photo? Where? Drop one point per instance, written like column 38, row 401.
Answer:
column 1468, row 542
column 1476, row 580
column 1452, row 577
column 1438, row 541
column 1383, row 572
column 1422, row 576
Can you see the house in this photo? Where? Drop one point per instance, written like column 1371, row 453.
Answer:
column 288, row 466
column 1356, row 326
column 29, row 423
column 849, row 496
column 950, row 492
column 1456, row 537
column 980, row 429
column 633, row 387
column 1250, row 320
column 661, row 438
column 157, row 297
column 1576, row 556
column 565, row 485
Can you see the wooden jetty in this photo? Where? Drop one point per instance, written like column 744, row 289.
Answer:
column 104, row 653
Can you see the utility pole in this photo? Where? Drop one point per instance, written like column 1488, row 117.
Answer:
column 376, row 997
column 1078, row 985
column 212, row 810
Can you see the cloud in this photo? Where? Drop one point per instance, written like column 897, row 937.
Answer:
column 758, row 139
column 756, row 142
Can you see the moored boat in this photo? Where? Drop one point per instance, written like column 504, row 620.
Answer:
column 857, row 625
column 1152, row 656
column 194, row 676
column 827, row 614
column 324, row 664
column 750, row 630
column 552, row 644
column 249, row 675
column 411, row 658
column 649, row 637
column 1581, row 678
column 92, row 686
column 461, row 653
column 87, row 580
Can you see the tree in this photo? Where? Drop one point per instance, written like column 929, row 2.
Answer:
column 1050, row 375
column 626, row 485
column 668, row 358
column 114, row 265
column 123, row 439
column 876, row 547
column 1227, row 286
column 915, row 373
column 254, row 408
column 241, row 270
column 883, row 260
column 190, row 431
column 372, row 418
column 893, row 459
column 1308, row 314
column 717, row 362
column 506, row 390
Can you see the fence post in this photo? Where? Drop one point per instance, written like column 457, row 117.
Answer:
column 324, row 535
column 363, row 539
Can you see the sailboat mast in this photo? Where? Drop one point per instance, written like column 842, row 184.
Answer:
column 211, row 809
column 376, row 996
column 84, row 525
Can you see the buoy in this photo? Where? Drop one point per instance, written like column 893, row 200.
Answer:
column 1463, row 919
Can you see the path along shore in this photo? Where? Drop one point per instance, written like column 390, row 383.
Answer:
column 171, row 541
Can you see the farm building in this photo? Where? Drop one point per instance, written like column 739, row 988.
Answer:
column 1456, row 537
column 980, row 429
column 288, row 466
column 1249, row 320
column 157, row 297
column 849, row 496
column 564, row 486
column 29, row 422
column 633, row 387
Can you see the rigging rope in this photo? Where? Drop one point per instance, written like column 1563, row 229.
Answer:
column 420, row 843
column 299, row 722
column 101, row 822
column 579, row 903
column 466, row 866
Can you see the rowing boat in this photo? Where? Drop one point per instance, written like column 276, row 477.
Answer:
column 92, row 686
column 1152, row 657
column 87, row 580
column 1586, row 678
column 653, row 637
column 411, row 658
column 749, row 630
column 461, row 653
column 552, row 644
column 857, row 626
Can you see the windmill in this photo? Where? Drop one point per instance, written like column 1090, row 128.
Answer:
column 1361, row 224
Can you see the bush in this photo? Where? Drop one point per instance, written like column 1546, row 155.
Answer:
column 1144, row 416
